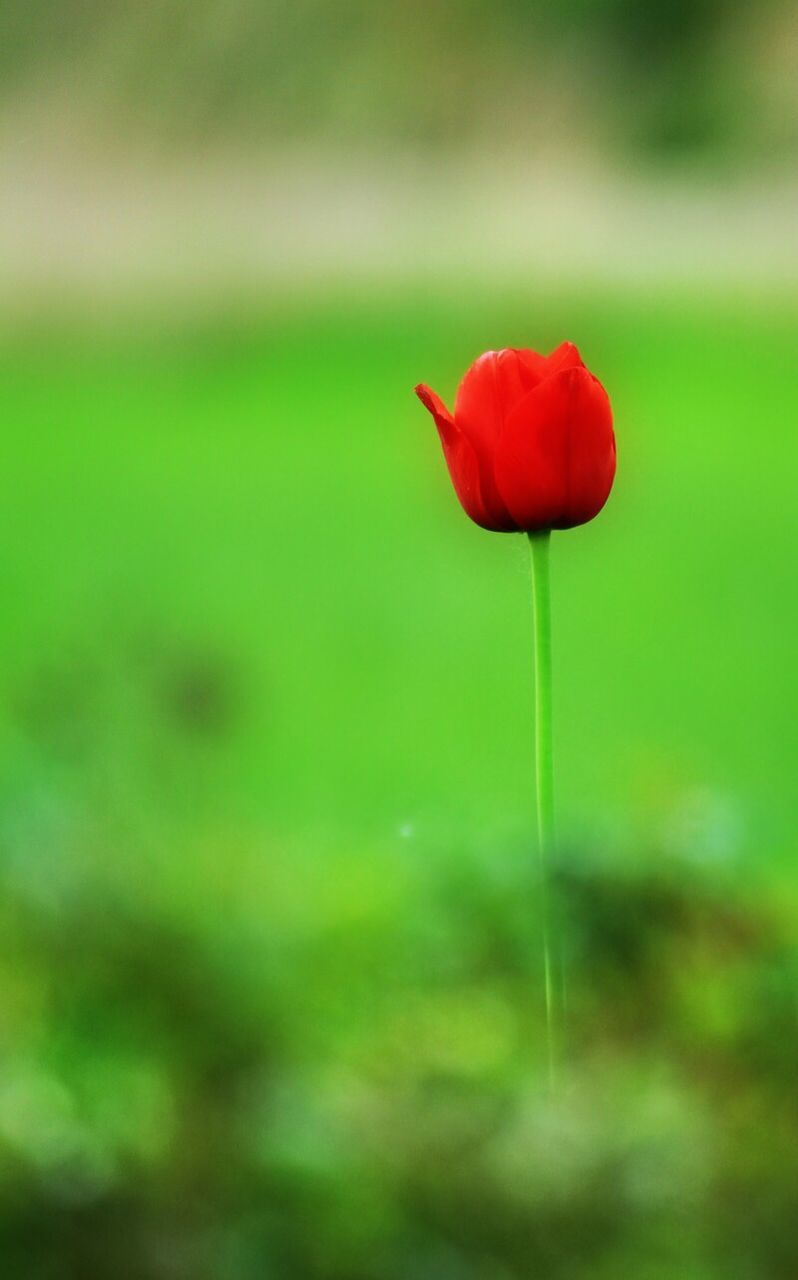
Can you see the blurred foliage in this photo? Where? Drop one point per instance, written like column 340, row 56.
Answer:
column 681, row 76
column 350, row 1085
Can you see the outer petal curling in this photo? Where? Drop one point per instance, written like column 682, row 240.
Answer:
column 464, row 468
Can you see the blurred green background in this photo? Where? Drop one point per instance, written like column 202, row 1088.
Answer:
column 270, row 973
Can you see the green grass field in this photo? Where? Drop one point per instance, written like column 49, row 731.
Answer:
column 270, row 947
column 258, row 508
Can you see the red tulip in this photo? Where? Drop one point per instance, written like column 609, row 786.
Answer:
column 530, row 445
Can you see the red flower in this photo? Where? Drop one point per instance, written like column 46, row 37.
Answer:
column 530, row 444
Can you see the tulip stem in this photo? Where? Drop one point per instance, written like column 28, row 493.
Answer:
column 539, row 544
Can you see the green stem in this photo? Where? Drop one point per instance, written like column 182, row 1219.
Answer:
column 539, row 544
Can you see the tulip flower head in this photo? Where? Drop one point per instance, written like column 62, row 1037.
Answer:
column 530, row 445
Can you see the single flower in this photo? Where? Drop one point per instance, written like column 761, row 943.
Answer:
column 530, row 444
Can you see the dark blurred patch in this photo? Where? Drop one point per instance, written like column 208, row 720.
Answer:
column 656, row 32
column 636, row 934
column 121, row 709
column 200, row 694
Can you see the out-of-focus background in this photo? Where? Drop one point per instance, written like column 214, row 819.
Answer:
column 270, row 975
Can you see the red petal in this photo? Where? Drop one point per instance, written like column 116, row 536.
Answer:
column 490, row 390
column 443, row 419
column 464, row 468
column 555, row 462
column 566, row 356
